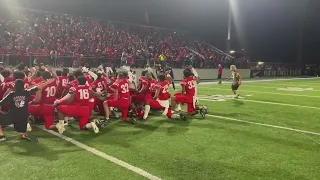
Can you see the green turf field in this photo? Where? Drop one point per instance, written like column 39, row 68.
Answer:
column 247, row 138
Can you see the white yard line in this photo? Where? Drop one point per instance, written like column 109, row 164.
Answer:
column 104, row 155
column 266, row 125
column 264, row 80
column 282, row 86
column 285, row 84
column 261, row 92
column 264, row 102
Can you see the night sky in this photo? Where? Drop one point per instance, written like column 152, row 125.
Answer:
column 268, row 30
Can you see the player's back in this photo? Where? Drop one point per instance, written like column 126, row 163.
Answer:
column 164, row 90
column 82, row 94
column 63, row 80
column 99, row 84
column 48, row 94
column 123, row 88
column 70, row 84
column 36, row 81
column 189, row 85
column 11, row 85
column 88, row 78
column 3, row 88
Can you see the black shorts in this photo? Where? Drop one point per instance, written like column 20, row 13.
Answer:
column 20, row 125
column 234, row 87
column 219, row 76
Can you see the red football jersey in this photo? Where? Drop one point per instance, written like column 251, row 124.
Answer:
column 142, row 81
column 110, row 89
column 73, row 83
column 164, row 90
column 27, row 84
column 36, row 81
column 99, row 83
column 123, row 88
column 82, row 94
column 63, row 81
column 3, row 89
column 88, row 78
column 48, row 93
column 189, row 84
column 153, row 82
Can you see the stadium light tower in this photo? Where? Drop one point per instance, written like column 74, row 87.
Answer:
column 229, row 27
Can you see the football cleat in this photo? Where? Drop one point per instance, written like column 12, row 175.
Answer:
column 3, row 138
column 60, row 127
column 94, row 127
column 183, row 117
column 101, row 123
column 203, row 111
column 29, row 128
column 29, row 138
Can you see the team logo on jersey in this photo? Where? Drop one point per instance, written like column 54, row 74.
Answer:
column 19, row 101
column 295, row 89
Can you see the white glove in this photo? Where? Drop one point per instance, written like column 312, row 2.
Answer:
column 100, row 67
column 194, row 72
column 85, row 70
column 109, row 69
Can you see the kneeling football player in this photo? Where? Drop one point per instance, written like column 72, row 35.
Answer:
column 79, row 97
column 188, row 95
column 121, row 98
column 161, row 100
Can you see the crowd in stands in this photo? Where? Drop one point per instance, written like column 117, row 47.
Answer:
column 65, row 40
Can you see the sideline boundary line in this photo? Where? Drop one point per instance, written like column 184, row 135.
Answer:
column 263, row 80
column 104, row 155
column 264, row 102
column 262, row 92
column 266, row 125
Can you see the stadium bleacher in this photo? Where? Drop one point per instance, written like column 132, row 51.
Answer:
column 66, row 40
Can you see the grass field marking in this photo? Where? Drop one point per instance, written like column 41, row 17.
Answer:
column 266, row 125
column 264, row 80
column 274, row 87
column 104, row 155
column 266, row 102
column 261, row 92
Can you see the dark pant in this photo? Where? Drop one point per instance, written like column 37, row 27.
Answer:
column 20, row 124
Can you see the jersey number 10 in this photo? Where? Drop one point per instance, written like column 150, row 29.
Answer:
column 51, row 91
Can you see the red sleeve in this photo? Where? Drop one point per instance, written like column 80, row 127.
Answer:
column 93, row 85
column 183, row 82
column 11, row 85
column 115, row 85
column 157, row 86
column 72, row 90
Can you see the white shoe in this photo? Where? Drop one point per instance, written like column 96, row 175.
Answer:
column 94, row 127
column 60, row 127
column 29, row 128
column 178, row 108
